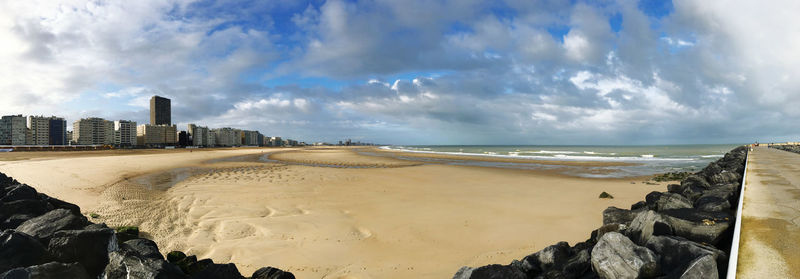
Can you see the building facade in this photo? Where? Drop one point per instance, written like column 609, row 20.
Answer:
column 58, row 131
column 156, row 135
column 125, row 133
column 227, row 136
column 160, row 111
column 39, row 127
column 13, row 130
column 200, row 136
column 250, row 138
column 93, row 131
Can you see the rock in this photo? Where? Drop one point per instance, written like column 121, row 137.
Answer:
column 605, row 195
column 494, row 271
column 6, row 181
column 712, row 204
column 608, row 228
column 218, row 271
column 52, row 270
column 725, row 177
column 676, row 253
column 693, row 187
column 675, row 188
column 643, row 226
column 23, row 207
column 553, row 256
column 44, row 226
column 19, row 192
column 20, row 250
column 96, row 227
column 126, row 233
column 617, row 215
column 710, row 170
column 639, row 205
column 671, row 201
column 701, row 268
column 56, row 203
column 175, row 256
column 128, row 264
column 577, row 265
column 700, row 226
column 271, row 273
column 143, row 247
column 186, row 263
column 14, row 221
column 88, row 247
column 616, row 256
column 720, row 198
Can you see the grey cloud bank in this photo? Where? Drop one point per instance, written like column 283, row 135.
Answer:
column 416, row 72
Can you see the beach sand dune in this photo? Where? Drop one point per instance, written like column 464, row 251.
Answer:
column 399, row 220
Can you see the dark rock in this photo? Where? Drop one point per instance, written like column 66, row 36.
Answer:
column 271, row 273
column 725, row 177
column 126, row 233
column 710, row 170
column 143, row 247
column 643, row 226
column 694, row 186
column 639, row 205
column 675, row 188
column 14, row 221
column 608, row 228
column 616, row 256
column 175, row 256
column 44, row 226
column 218, row 271
column 19, row 192
column 661, row 228
column 96, row 227
column 5, row 182
column 23, row 207
column 52, row 270
column 20, row 250
column 494, row 271
column 652, row 198
column 700, row 226
column 577, row 265
column 676, row 253
column 88, row 247
column 128, row 264
column 712, row 204
column 56, row 203
column 671, row 201
column 186, row 262
column 701, row 268
column 617, row 215
column 553, row 256
column 605, row 195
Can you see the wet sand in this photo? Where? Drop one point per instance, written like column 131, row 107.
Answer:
column 398, row 219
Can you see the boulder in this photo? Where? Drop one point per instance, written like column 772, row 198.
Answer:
column 694, row 186
column 712, row 204
column 20, row 250
column 699, row 226
column 639, row 205
column 494, row 271
column 553, row 256
column 672, row 201
column 218, row 271
column 677, row 253
column 88, row 247
column 710, row 170
column 13, row 221
column 643, row 226
column 725, row 177
column 44, row 226
column 52, row 270
column 175, row 256
column 5, row 181
column 701, row 268
column 19, row 192
column 608, row 228
column 271, row 273
column 616, row 256
column 578, row 265
column 30, row 207
column 126, row 233
column 129, row 264
column 675, row 188
column 143, row 247
column 56, row 203
column 617, row 215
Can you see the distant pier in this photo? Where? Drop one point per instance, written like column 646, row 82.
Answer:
column 769, row 245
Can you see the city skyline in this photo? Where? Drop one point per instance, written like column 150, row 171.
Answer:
column 408, row 72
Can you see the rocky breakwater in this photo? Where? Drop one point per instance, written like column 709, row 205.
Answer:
column 682, row 233
column 44, row 237
column 790, row 148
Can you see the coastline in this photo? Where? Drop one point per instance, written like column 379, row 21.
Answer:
column 322, row 222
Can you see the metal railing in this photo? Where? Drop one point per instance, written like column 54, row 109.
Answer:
column 733, row 259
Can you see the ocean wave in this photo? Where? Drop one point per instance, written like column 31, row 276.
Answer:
column 551, row 152
column 564, row 157
column 712, row 156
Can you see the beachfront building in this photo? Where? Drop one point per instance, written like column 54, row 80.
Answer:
column 156, row 135
column 227, row 136
column 200, row 136
column 125, row 133
column 250, row 138
column 13, row 130
column 47, row 130
column 93, row 131
column 160, row 111
column 275, row 141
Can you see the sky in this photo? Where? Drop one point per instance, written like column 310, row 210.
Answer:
column 416, row 71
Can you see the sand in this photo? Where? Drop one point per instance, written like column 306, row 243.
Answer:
column 388, row 218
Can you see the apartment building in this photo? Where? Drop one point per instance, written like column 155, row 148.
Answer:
column 93, row 131
column 13, row 130
column 125, row 133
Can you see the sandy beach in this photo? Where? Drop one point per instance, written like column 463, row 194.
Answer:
column 328, row 212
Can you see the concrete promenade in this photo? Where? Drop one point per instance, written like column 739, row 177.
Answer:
column 770, row 235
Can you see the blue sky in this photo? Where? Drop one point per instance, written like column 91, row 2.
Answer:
column 416, row 72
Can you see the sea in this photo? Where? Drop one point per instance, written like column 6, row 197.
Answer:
column 643, row 159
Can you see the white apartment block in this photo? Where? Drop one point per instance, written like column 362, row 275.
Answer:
column 93, row 131
column 149, row 135
column 227, row 136
column 13, row 130
column 200, row 136
column 125, row 133
column 39, row 127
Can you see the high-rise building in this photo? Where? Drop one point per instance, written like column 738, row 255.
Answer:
column 47, row 130
column 93, row 131
column 160, row 111
column 227, row 136
column 13, row 130
column 183, row 138
column 58, row 131
column 156, row 135
column 200, row 136
column 125, row 133
column 250, row 138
